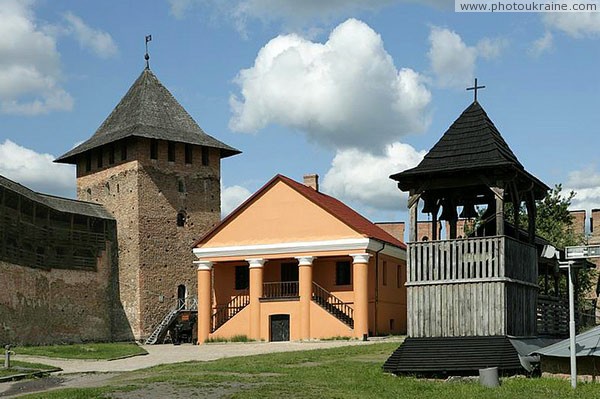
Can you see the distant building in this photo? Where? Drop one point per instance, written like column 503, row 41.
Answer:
column 293, row 263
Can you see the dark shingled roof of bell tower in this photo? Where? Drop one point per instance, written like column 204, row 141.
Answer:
column 149, row 110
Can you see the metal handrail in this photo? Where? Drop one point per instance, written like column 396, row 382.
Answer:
column 280, row 289
column 328, row 298
column 226, row 312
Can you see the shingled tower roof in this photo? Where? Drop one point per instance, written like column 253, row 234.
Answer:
column 471, row 145
column 149, row 110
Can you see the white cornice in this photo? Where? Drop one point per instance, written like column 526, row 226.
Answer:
column 347, row 244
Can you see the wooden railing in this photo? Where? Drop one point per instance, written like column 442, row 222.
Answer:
column 226, row 312
column 552, row 316
column 471, row 259
column 472, row 287
column 280, row 289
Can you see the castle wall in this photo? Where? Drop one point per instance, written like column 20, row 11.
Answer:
column 55, row 306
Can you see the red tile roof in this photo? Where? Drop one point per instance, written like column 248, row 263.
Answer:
column 333, row 206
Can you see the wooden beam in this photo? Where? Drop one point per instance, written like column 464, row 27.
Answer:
column 413, row 202
column 531, row 215
column 499, row 197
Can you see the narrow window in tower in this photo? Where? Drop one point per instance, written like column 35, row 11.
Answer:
column 88, row 161
column 205, row 158
column 153, row 149
column 181, row 219
column 188, row 153
column 181, row 186
column 123, row 152
column 111, row 154
column 99, row 157
column 171, row 151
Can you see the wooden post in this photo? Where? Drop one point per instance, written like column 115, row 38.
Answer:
column 531, row 215
column 434, row 223
column 499, row 196
column 413, row 202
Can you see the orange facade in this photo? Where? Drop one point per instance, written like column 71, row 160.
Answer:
column 292, row 264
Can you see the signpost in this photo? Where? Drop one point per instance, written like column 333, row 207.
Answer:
column 572, row 254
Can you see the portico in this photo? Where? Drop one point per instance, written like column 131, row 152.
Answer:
column 325, row 285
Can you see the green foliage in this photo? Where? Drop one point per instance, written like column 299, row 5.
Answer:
column 98, row 351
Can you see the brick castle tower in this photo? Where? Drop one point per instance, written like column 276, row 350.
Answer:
column 158, row 173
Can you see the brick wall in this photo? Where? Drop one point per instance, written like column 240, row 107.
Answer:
column 145, row 196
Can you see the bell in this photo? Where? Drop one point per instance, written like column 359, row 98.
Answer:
column 449, row 212
column 430, row 205
column 468, row 211
column 489, row 212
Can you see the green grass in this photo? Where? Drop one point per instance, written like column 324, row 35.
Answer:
column 348, row 372
column 18, row 367
column 101, row 351
column 235, row 338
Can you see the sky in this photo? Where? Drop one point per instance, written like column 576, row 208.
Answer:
column 353, row 90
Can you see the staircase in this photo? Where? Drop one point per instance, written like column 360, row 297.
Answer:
column 226, row 312
column 332, row 304
column 161, row 329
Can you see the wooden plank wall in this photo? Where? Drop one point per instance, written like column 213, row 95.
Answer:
column 462, row 288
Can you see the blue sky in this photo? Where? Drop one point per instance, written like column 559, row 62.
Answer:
column 352, row 90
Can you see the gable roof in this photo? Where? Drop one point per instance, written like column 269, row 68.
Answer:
column 331, row 205
column 57, row 203
column 148, row 110
column 471, row 143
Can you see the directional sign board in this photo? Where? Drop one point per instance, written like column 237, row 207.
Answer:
column 582, row 251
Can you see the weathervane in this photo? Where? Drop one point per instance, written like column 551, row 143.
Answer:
column 147, row 56
column 474, row 88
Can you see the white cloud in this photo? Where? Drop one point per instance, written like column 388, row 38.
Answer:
column 343, row 93
column 179, row 8
column 543, row 44
column 293, row 14
column 360, row 177
column 586, row 184
column 36, row 171
column 99, row 42
column 29, row 64
column 453, row 61
column 575, row 24
column 232, row 197
column 489, row 48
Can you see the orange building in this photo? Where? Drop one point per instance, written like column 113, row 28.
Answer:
column 292, row 263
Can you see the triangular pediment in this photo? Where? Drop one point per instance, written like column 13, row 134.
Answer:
column 280, row 214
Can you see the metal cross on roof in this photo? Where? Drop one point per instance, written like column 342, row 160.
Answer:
column 147, row 56
column 474, row 88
